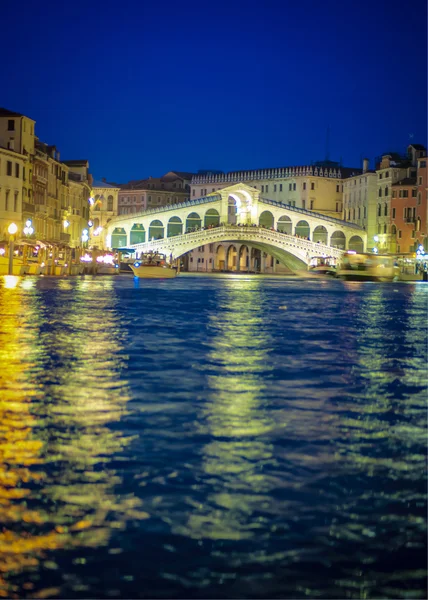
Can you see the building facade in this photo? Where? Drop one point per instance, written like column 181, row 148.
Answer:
column 104, row 206
column 359, row 200
column 11, row 186
column 140, row 195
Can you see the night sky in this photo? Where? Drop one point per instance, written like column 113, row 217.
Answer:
column 140, row 88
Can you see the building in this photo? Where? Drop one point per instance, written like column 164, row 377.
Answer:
column 359, row 200
column 11, row 186
column 140, row 195
column 317, row 187
column 104, row 206
column 392, row 168
column 422, row 202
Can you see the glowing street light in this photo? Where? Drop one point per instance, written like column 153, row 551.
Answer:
column 12, row 229
column 66, row 224
column 29, row 229
column 85, row 236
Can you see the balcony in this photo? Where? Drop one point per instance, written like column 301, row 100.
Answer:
column 28, row 208
column 64, row 237
column 411, row 220
column 39, row 179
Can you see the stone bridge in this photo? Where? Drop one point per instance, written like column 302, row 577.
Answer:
column 238, row 210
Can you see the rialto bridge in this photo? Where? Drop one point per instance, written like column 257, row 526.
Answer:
column 236, row 214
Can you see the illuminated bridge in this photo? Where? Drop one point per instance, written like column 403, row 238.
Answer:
column 237, row 214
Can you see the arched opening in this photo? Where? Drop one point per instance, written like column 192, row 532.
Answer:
column 302, row 229
column 212, row 218
column 119, row 238
column 232, row 209
column 97, row 202
column 244, row 259
column 232, row 258
column 356, row 243
column 266, row 219
column 156, row 230
column 285, row 225
column 256, row 260
column 338, row 240
column 138, row 234
column 193, row 222
column 320, row 235
column 110, row 203
column 175, row 227
column 220, row 259
column 393, row 230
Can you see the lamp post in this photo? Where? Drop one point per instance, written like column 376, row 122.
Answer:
column 28, row 229
column 12, row 229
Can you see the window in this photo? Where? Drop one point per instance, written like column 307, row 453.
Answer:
column 7, row 200
column 337, row 206
column 386, row 191
column 303, row 203
column 422, row 164
column 304, row 185
column 9, row 168
column 349, row 214
column 312, row 205
column 380, row 175
column 213, row 190
column 419, row 198
column 405, row 193
column 149, row 198
column 379, row 210
column 399, row 233
column 211, row 247
column 394, row 230
column 385, row 210
column 267, row 189
column 393, row 213
column 353, row 214
column 15, row 202
column 394, row 194
column 418, row 224
column 414, row 193
column 312, row 186
column 294, row 186
column 413, row 233
column 16, row 170
column 365, row 211
column 11, row 125
column 274, row 187
column 380, row 192
column 359, row 212
column 384, row 228
column 280, row 187
column 337, row 188
column 193, row 192
column 290, row 187
column 386, row 174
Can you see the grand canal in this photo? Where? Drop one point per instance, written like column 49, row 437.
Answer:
column 231, row 437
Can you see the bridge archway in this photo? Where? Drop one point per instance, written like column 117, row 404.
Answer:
column 338, row 240
column 193, row 222
column 266, row 219
column 285, row 225
column 119, row 239
column 156, row 230
column 138, row 234
column 220, row 259
column 174, row 227
column 232, row 258
column 320, row 234
column 356, row 243
column 302, row 229
column 212, row 217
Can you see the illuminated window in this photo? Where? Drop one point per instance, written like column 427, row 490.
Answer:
column 312, row 186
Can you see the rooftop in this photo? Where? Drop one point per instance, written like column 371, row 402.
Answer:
column 5, row 112
column 102, row 184
column 406, row 181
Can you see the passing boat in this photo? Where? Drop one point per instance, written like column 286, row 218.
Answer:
column 153, row 266
column 356, row 266
column 322, row 265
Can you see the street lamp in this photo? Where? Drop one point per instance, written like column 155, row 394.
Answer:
column 85, row 236
column 12, row 229
column 28, row 229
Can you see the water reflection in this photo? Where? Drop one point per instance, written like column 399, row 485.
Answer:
column 60, row 389
column 234, row 417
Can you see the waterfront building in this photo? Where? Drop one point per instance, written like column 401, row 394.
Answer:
column 392, row 168
column 422, row 201
column 359, row 200
column 140, row 195
column 11, row 186
column 104, row 206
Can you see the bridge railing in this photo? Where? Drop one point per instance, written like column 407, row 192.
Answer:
column 244, row 233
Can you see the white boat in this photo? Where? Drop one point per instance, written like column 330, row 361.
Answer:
column 153, row 266
column 322, row 265
column 356, row 266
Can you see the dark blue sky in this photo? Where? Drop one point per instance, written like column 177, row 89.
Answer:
column 140, row 88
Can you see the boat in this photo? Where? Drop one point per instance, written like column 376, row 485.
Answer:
column 362, row 266
column 153, row 266
column 322, row 265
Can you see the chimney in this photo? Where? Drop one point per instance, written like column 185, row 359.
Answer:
column 365, row 165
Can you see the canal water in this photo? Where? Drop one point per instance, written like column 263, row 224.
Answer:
column 229, row 437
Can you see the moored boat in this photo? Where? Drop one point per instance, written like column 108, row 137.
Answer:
column 356, row 266
column 153, row 266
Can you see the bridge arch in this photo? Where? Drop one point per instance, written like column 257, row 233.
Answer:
column 174, row 227
column 338, row 239
column 356, row 243
column 285, row 225
column 212, row 217
column 156, row 230
column 266, row 219
column 119, row 238
column 243, row 258
column 302, row 229
column 232, row 258
column 320, row 234
column 193, row 221
column 220, row 258
column 137, row 234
